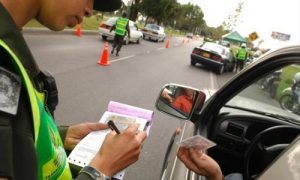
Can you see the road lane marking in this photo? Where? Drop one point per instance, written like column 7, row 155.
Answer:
column 212, row 80
column 121, row 59
column 160, row 48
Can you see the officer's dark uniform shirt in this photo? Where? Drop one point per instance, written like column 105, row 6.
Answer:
column 18, row 158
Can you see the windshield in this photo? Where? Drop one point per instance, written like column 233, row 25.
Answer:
column 277, row 93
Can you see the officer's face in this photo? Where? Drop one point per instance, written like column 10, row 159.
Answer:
column 57, row 14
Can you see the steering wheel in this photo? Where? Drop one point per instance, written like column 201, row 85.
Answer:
column 266, row 146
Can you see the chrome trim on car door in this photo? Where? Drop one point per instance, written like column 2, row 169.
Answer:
column 176, row 170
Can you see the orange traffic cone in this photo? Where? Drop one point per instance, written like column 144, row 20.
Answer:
column 167, row 43
column 77, row 32
column 104, row 57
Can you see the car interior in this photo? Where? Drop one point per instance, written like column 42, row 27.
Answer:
column 250, row 135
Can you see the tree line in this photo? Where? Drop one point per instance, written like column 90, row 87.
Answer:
column 170, row 13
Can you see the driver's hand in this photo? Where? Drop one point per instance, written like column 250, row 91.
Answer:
column 118, row 151
column 200, row 163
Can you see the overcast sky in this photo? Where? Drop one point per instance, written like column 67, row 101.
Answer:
column 262, row 16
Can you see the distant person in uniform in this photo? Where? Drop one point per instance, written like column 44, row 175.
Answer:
column 241, row 57
column 121, row 28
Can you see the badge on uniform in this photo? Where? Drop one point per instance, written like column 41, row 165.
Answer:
column 10, row 89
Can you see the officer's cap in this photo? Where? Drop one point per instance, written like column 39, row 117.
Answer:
column 107, row 5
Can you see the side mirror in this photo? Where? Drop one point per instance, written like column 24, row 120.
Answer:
column 180, row 101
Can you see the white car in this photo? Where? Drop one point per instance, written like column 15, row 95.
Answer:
column 154, row 32
column 104, row 31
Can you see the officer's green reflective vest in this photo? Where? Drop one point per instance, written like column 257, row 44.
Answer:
column 121, row 26
column 52, row 159
column 242, row 54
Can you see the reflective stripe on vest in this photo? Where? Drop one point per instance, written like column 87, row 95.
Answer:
column 242, row 54
column 121, row 26
column 52, row 159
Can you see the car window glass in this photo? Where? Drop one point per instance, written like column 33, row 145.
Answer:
column 213, row 47
column 154, row 27
column 227, row 54
column 277, row 93
column 230, row 56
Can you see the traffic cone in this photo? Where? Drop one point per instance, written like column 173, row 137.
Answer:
column 104, row 57
column 167, row 43
column 77, row 32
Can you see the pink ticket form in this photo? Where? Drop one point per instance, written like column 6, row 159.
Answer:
column 122, row 115
column 130, row 110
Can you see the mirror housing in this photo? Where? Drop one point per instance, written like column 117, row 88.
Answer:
column 180, row 101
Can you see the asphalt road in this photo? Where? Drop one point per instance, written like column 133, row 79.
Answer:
column 135, row 78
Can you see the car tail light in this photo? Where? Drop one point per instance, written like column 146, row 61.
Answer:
column 217, row 58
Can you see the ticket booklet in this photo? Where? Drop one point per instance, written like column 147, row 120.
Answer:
column 123, row 115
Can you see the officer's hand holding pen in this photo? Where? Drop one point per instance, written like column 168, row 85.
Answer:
column 113, row 127
column 118, row 151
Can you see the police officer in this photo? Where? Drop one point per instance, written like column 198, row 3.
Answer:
column 31, row 145
column 121, row 29
column 241, row 57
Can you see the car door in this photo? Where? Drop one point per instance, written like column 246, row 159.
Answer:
column 134, row 33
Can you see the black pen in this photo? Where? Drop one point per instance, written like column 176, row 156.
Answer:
column 146, row 126
column 112, row 126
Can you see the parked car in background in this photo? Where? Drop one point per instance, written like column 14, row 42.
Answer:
column 189, row 35
column 214, row 56
column 104, row 31
column 255, row 137
column 154, row 32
